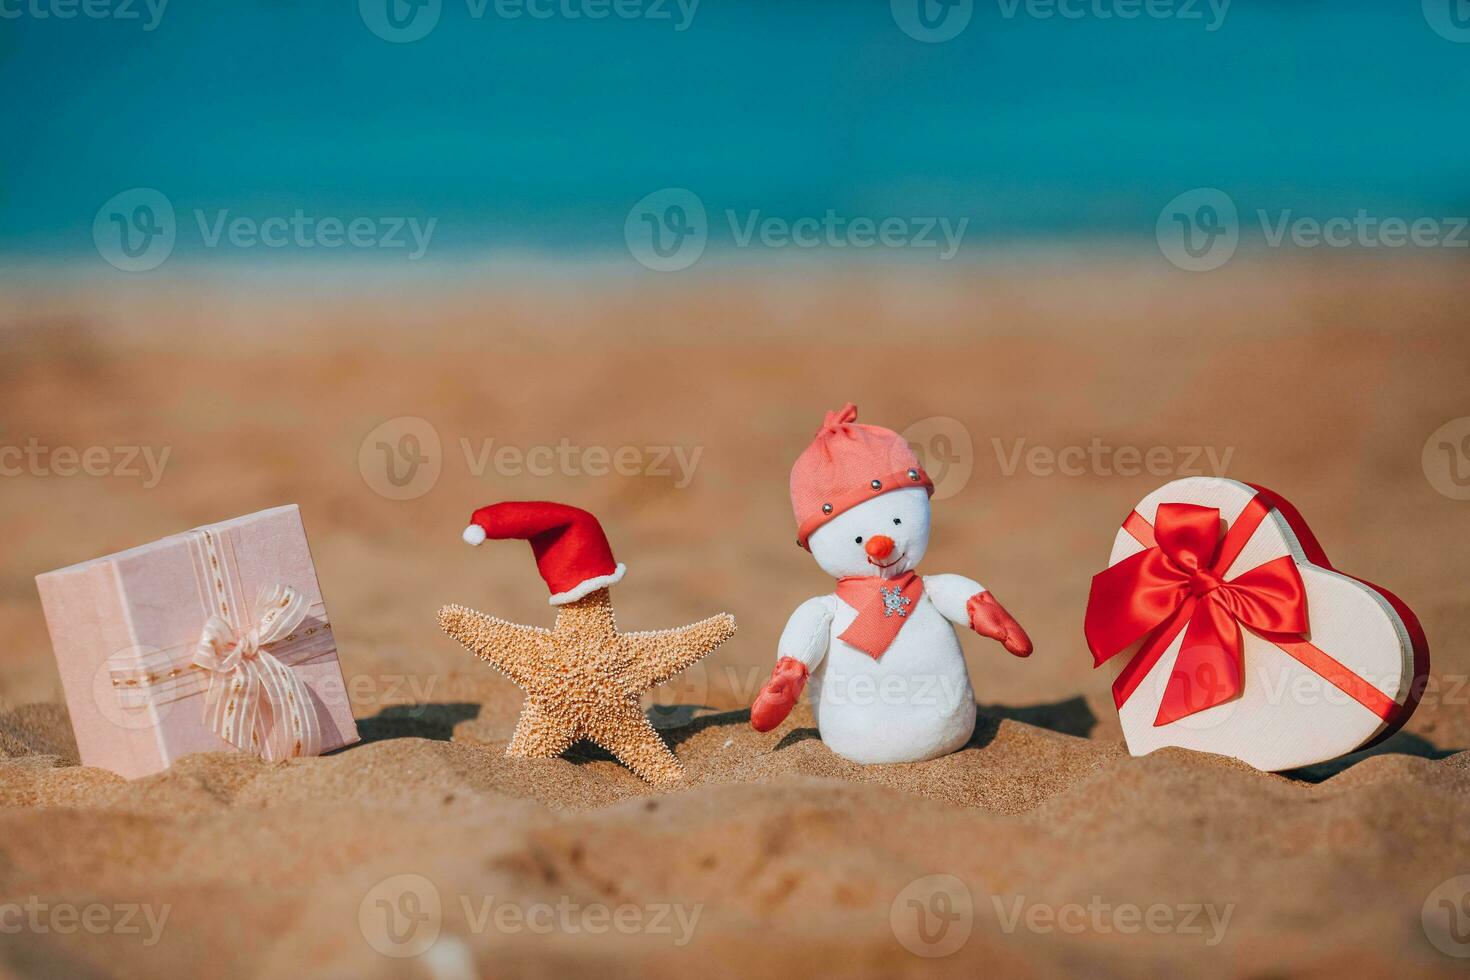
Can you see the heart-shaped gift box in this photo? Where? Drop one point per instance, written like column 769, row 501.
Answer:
column 1227, row 630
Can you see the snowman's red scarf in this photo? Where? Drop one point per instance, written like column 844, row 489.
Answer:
column 883, row 605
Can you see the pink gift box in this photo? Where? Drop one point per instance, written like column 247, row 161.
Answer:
column 127, row 633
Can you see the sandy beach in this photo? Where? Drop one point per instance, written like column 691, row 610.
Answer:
column 673, row 408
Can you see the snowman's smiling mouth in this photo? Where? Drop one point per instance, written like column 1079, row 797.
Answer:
column 886, row 565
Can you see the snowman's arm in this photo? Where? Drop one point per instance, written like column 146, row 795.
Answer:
column 801, row 648
column 966, row 602
column 950, row 595
column 808, row 633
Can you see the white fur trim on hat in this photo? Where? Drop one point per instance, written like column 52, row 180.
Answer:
column 588, row 586
column 474, row 534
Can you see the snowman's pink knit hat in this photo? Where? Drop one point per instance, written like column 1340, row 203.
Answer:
column 846, row 464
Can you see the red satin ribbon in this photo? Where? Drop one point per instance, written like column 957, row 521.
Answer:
column 1176, row 584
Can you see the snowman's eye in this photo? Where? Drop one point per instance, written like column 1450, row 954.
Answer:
column 858, row 540
column 897, row 521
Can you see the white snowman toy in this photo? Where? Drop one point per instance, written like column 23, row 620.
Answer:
column 888, row 676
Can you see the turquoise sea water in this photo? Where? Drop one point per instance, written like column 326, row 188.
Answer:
column 270, row 127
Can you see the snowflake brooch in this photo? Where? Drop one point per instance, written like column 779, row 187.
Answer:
column 894, row 601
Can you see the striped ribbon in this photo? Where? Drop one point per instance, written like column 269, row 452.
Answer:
column 254, row 701
column 252, row 698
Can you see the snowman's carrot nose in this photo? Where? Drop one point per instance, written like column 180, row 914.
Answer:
column 879, row 546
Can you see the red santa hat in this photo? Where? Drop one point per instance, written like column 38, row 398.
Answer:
column 572, row 553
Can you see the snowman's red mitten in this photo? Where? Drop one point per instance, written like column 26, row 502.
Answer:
column 779, row 695
column 989, row 618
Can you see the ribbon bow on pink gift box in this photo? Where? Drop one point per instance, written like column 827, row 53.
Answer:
column 254, row 701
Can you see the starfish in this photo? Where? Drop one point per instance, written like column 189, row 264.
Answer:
column 582, row 678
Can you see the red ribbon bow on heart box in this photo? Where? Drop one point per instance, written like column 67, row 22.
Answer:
column 1178, row 584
